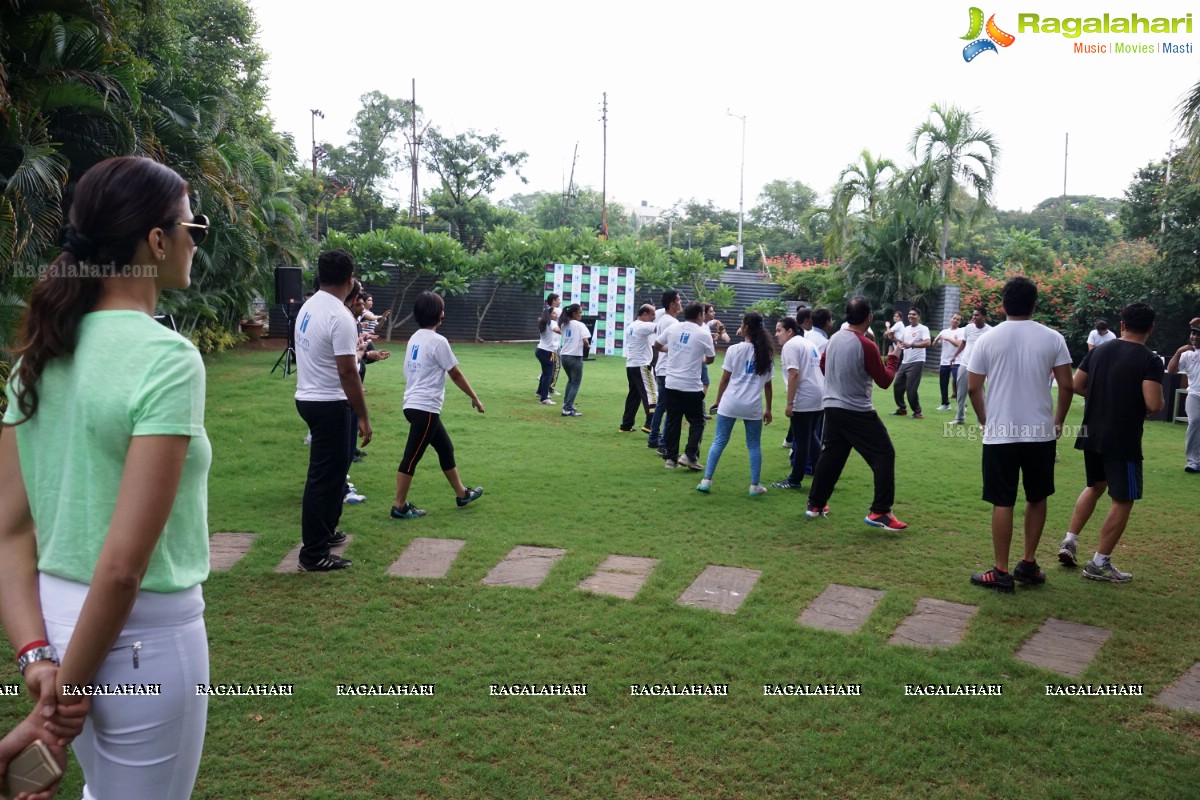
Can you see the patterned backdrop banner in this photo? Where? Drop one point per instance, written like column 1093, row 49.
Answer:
column 603, row 292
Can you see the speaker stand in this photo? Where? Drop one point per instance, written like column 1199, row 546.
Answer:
column 287, row 359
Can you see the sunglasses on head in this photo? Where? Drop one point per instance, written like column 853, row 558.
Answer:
column 197, row 228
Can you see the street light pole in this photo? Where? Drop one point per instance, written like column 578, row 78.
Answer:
column 741, row 187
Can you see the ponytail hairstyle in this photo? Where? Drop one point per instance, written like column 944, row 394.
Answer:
column 752, row 329
column 114, row 207
column 547, row 315
column 569, row 313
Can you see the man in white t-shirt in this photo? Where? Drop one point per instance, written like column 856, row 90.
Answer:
column 689, row 345
column 672, row 304
column 805, row 392
column 1021, row 426
column 951, row 341
column 913, row 340
column 1099, row 335
column 977, row 327
column 822, row 324
column 1187, row 358
column 328, row 389
column 643, row 388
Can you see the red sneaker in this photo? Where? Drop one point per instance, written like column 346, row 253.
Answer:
column 885, row 521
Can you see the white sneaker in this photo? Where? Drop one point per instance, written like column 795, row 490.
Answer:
column 756, row 489
column 548, row 402
column 354, row 498
column 687, row 461
column 669, row 464
column 943, row 408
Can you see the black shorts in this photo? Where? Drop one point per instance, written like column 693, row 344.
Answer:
column 1033, row 462
column 1124, row 478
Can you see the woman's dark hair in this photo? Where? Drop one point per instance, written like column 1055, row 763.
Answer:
column 752, row 328
column 550, row 298
column 547, row 315
column 114, row 206
column 428, row 308
column 569, row 313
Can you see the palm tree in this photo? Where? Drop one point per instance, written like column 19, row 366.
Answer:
column 953, row 149
column 864, row 180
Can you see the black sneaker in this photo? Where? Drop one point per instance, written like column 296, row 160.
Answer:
column 338, row 537
column 993, row 579
column 409, row 511
column 327, row 564
column 1028, row 573
column 472, row 495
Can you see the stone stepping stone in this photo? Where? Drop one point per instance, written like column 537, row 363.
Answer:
column 1183, row 694
column 426, row 558
column 524, row 566
column 1065, row 647
column 842, row 609
column 620, row 576
column 291, row 564
column 226, row 549
column 721, row 589
column 935, row 623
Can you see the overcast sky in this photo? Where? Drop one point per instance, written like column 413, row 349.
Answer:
column 817, row 85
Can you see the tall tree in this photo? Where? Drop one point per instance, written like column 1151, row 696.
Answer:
column 467, row 166
column 365, row 164
column 955, row 150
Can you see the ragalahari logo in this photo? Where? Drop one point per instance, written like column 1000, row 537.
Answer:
column 995, row 36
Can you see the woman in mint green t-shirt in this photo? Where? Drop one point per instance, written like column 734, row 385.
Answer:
column 103, row 491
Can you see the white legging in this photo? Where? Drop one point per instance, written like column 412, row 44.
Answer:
column 140, row 747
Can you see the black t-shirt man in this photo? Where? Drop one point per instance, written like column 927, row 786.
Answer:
column 1115, row 409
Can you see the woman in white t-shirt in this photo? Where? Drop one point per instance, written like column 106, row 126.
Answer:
column 428, row 361
column 547, row 332
column 574, row 337
column 745, row 379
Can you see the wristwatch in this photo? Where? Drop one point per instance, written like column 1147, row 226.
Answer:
column 44, row 653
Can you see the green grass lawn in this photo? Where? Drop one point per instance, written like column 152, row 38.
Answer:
column 578, row 484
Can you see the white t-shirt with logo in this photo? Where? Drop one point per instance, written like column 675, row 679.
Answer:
column 638, row 351
column 743, row 394
column 427, row 359
column 971, row 334
column 951, row 338
column 799, row 355
column 573, row 335
column 910, row 334
column 688, row 344
column 1017, row 357
column 325, row 329
column 818, row 337
column 661, row 324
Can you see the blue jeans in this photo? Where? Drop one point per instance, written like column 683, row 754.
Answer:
column 573, row 366
column 658, row 421
column 721, row 438
column 546, row 359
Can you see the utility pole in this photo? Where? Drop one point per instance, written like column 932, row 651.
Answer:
column 315, row 113
column 415, row 218
column 741, row 187
column 1170, row 155
column 604, row 172
column 1066, row 142
column 570, row 190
